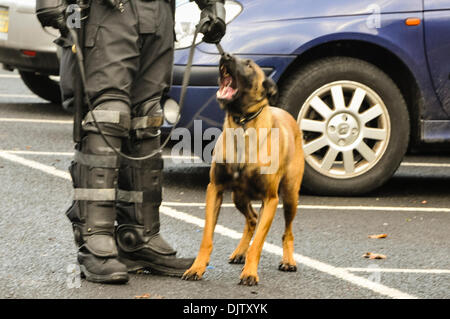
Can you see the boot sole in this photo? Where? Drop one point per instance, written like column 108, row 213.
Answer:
column 136, row 265
column 114, row 278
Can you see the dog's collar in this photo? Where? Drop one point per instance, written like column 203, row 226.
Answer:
column 243, row 119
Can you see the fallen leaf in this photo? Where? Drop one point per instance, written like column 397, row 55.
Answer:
column 144, row 296
column 378, row 236
column 374, row 256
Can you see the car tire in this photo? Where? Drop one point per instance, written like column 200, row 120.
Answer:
column 42, row 85
column 349, row 149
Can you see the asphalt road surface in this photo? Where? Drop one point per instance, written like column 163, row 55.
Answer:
column 331, row 233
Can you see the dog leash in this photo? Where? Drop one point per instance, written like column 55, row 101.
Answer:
column 185, row 83
column 220, row 49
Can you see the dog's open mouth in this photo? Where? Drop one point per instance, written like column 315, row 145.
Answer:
column 228, row 88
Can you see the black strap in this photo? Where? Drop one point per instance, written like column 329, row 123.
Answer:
column 112, row 195
column 244, row 119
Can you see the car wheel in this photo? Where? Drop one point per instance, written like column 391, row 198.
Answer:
column 354, row 121
column 42, row 85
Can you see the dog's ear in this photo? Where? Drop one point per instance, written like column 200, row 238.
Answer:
column 271, row 90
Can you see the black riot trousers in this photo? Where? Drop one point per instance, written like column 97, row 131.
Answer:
column 128, row 64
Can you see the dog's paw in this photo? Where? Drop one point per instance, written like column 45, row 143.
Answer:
column 238, row 259
column 193, row 274
column 287, row 267
column 249, row 280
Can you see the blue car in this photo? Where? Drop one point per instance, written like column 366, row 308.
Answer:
column 366, row 80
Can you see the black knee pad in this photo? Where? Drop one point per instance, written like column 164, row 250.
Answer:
column 148, row 118
column 112, row 116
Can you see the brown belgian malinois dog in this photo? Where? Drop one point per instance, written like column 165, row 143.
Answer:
column 269, row 161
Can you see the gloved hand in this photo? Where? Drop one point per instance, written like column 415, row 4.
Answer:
column 51, row 13
column 212, row 22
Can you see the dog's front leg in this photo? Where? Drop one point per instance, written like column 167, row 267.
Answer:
column 214, row 197
column 249, row 275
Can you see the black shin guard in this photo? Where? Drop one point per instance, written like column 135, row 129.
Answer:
column 139, row 242
column 143, row 218
column 94, row 172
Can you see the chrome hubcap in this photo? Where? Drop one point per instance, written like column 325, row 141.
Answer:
column 346, row 129
column 342, row 130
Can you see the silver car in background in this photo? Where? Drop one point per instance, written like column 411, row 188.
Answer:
column 28, row 48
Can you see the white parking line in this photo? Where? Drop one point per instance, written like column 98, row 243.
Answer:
column 301, row 259
column 403, row 164
column 36, row 165
column 193, row 158
column 19, row 96
column 71, row 154
column 7, row 119
column 9, row 76
column 38, row 153
column 334, row 207
column 301, row 206
column 401, row 270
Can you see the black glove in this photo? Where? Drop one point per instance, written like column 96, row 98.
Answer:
column 51, row 13
column 212, row 20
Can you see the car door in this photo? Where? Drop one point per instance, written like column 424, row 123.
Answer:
column 437, row 42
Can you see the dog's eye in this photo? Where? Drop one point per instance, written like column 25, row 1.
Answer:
column 248, row 63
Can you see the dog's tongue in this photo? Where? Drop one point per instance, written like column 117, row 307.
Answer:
column 225, row 91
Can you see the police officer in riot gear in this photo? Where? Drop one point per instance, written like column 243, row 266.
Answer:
column 128, row 57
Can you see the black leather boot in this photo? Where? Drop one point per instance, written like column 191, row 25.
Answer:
column 102, row 270
column 140, row 250
column 139, row 241
column 93, row 213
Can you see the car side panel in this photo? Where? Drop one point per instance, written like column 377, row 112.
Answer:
column 437, row 40
column 436, row 4
column 269, row 10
